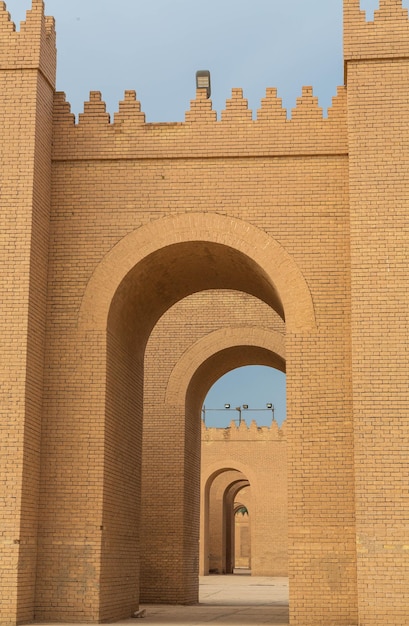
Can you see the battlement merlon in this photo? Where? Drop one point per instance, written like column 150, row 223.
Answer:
column 385, row 37
column 33, row 46
column 244, row 432
column 236, row 134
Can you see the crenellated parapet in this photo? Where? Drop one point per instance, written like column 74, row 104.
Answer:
column 237, row 133
column 243, row 432
column 33, row 46
column 386, row 36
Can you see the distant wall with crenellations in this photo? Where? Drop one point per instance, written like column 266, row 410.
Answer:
column 245, row 455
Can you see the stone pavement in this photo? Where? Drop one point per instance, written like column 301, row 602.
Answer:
column 236, row 600
column 229, row 600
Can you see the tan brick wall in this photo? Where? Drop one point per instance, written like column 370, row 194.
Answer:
column 378, row 82
column 219, row 524
column 26, row 86
column 231, row 458
column 212, row 342
column 177, row 252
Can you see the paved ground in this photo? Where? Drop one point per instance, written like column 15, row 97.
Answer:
column 237, row 600
column 230, row 600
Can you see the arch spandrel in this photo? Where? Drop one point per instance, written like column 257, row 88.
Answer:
column 261, row 251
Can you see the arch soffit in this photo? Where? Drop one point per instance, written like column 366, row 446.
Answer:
column 246, row 238
column 226, row 477
column 234, row 489
column 210, row 472
column 225, row 480
column 213, row 343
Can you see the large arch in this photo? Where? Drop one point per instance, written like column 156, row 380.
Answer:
column 138, row 280
column 278, row 267
column 142, row 276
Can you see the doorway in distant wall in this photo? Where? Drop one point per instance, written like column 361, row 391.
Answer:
column 242, row 539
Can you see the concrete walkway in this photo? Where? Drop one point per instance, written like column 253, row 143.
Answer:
column 231, row 600
column 237, row 600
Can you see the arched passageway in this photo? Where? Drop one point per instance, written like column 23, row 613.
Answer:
column 242, row 535
column 200, row 360
column 142, row 277
column 218, row 533
column 158, row 267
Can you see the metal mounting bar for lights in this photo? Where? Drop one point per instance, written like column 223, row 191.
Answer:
column 227, row 407
column 203, row 81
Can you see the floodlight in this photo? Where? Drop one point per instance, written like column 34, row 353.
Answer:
column 203, row 81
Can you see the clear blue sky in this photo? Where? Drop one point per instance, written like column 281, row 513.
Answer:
column 255, row 386
column 156, row 46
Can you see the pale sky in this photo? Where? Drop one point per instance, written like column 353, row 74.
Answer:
column 156, row 46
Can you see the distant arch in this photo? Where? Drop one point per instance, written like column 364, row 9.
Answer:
column 270, row 341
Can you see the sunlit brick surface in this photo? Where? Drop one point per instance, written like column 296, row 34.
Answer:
column 139, row 263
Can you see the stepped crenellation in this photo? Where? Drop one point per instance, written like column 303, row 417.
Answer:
column 245, row 432
column 237, row 109
column 385, row 36
column 33, row 16
column 271, row 133
column 33, row 46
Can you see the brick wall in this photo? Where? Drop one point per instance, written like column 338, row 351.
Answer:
column 229, row 456
column 143, row 261
column 26, row 86
column 377, row 65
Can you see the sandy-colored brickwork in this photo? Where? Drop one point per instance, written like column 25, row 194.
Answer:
column 26, row 86
column 237, row 460
column 141, row 262
column 377, row 66
column 242, row 530
column 215, row 343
